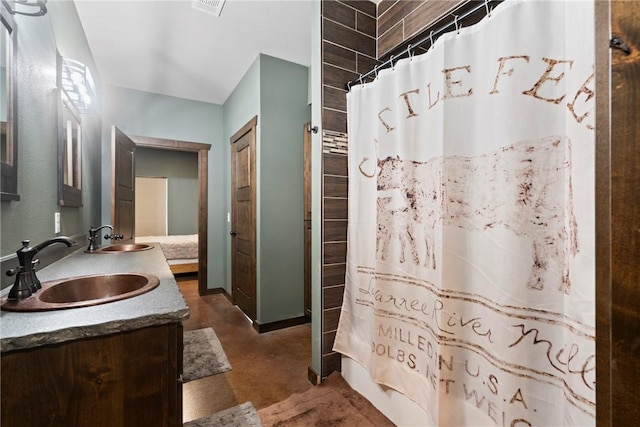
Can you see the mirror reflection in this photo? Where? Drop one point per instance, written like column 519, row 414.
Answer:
column 69, row 153
column 8, row 101
column 72, row 142
column 5, row 48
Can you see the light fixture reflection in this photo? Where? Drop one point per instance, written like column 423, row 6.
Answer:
column 26, row 7
column 78, row 84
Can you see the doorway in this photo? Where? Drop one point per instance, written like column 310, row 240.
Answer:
column 151, row 206
column 125, row 162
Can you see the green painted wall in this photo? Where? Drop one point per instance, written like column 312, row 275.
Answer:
column 284, row 110
column 181, row 170
column 242, row 105
column 277, row 92
column 32, row 217
column 150, row 114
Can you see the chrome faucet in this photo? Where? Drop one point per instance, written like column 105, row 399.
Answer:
column 93, row 236
column 27, row 282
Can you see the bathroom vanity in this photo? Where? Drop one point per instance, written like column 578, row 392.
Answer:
column 113, row 364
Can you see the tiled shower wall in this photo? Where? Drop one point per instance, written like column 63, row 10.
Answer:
column 400, row 21
column 348, row 48
column 354, row 36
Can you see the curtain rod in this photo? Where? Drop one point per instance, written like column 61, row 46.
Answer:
column 433, row 35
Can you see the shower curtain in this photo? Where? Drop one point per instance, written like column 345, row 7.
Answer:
column 470, row 263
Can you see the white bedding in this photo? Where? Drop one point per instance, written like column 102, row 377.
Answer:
column 174, row 247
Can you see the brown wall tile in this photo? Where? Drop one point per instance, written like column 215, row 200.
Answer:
column 330, row 363
column 335, row 164
column 335, row 253
column 335, row 99
column 328, row 339
column 391, row 39
column 385, row 5
column 339, row 13
column 339, row 56
column 336, row 77
column 365, row 64
column 332, row 296
column 335, row 208
column 336, row 186
column 395, row 14
column 366, row 24
column 330, row 319
column 334, row 231
column 333, row 274
column 427, row 14
column 334, row 120
column 367, row 7
column 349, row 38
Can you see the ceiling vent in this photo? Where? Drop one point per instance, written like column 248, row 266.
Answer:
column 213, row 7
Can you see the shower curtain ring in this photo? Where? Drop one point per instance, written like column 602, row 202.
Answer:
column 360, row 78
column 486, row 6
column 455, row 22
column 409, row 52
column 393, row 66
column 431, row 39
column 375, row 71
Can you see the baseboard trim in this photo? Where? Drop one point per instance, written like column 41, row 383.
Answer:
column 281, row 324
column 214, row 291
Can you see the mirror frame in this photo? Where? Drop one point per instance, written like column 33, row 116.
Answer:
column 9, row 187
column 68, row 195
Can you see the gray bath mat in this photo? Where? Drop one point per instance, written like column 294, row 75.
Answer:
column 203, row 355
column 243, row 415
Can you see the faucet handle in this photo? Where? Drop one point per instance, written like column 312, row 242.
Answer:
column 113, row 236
column 14, row 271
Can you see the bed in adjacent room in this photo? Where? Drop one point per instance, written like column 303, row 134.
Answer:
column 181, row 251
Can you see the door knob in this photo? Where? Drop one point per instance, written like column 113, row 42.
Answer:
column 233, row 233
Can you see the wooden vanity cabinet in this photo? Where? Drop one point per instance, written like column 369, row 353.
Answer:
column 130, row 378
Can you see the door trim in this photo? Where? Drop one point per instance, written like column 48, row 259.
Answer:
column 202, row 151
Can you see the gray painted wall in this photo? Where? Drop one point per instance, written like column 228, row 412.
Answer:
column 32, row 217
column 149, row 114
column 181, row 171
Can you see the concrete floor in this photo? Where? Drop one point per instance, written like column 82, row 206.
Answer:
column 265, row 368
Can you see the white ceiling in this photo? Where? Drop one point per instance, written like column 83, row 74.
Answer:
column 170, row 48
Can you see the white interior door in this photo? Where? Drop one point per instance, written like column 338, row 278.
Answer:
column 151, row 206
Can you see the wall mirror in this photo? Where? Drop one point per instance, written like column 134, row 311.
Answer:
column 69, row 146
column 8, row 106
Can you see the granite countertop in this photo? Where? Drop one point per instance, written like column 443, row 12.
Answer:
column 164, row 304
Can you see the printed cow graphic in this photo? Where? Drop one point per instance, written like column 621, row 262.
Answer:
column 524, row 188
